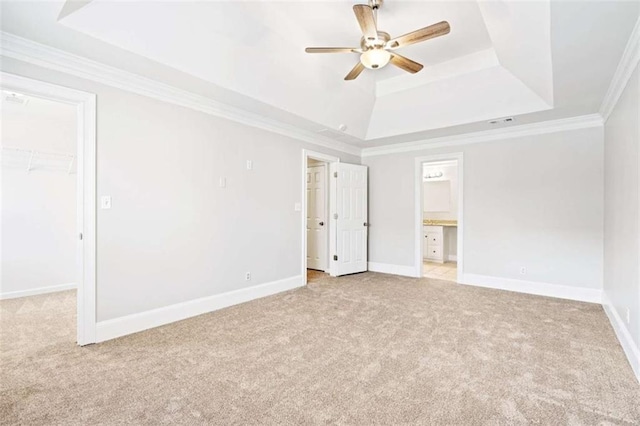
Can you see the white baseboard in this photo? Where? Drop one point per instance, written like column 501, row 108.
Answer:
column 452, row 258
column 531, row 287
column 386, row 268
column 36, row 291
column 631, row 350
column 117, row 327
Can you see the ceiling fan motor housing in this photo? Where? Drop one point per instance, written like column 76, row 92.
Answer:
column 375, row 4
column 375, row 43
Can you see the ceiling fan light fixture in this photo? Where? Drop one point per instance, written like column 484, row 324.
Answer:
column 375, row 58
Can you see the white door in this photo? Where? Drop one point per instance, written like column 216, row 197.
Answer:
column 316, row 218
column 349, row 215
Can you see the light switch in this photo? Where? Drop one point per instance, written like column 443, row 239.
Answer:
column 105, row 202
column 223, row 182
column 297, row 207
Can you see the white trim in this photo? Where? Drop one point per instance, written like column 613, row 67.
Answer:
column 36, row 291
column 551, row 126
column 458, row 157
column 637, row 355
column 45, row 56
column 85, row 194
column 387, row 268
column 327, row 159
column 134, row 323
column 452, row 258
column 631, row 350
column 559, row 291
column 628, row 63
column 333, row 203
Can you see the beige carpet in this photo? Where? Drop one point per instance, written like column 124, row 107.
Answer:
column 364, row 349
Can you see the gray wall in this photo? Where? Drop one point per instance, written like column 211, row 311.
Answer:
column 534, row 201
column 172, row 234
column 621, row 251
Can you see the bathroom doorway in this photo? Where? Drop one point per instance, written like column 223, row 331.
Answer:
column 439, row 217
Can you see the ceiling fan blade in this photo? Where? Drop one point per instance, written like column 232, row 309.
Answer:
column 355, row 72
column 331, row 49
column 432, row 31
column 405, row 63
column 364, row 15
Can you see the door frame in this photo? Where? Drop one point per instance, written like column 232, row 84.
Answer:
column 326, row 159
column 418, row 192
column 85, row 190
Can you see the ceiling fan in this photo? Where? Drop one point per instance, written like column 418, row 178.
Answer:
column 377, row 48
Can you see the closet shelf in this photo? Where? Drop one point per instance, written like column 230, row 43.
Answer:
column 32, row 159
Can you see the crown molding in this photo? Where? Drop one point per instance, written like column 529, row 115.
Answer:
column 551, row 126
column 55, row 59
column 626, row 66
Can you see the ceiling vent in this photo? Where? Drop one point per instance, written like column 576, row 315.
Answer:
column 15, row 98
column 338, row 135
column 502, row 120
column 330, row 133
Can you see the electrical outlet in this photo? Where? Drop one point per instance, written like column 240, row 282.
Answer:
column 523, row 270
column 223, row 182
column 249, row 165
column 247, row 276
column 628, row 315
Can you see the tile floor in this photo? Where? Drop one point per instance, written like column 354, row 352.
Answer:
column 442, row 271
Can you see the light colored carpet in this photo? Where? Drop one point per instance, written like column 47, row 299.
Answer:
column 363, row 349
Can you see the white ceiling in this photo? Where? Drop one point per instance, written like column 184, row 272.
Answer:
column 535, row 60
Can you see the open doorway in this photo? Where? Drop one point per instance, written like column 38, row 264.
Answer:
column 47, row 285
column 439, row 217
column 317, row 223
column 335, row 216
column 317, row 215
column 39, row 170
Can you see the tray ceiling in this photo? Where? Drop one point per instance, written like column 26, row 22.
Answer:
column 534, row 60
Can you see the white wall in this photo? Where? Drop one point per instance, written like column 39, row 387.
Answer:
column 38, row 215
column 533, row 201
column 172, row 234
column 621, row 225
column 450, row 175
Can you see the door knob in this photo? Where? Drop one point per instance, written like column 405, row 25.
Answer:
column 366, row 224
column 321, row 224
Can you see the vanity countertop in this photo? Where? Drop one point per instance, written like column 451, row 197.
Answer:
column 438, row 222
